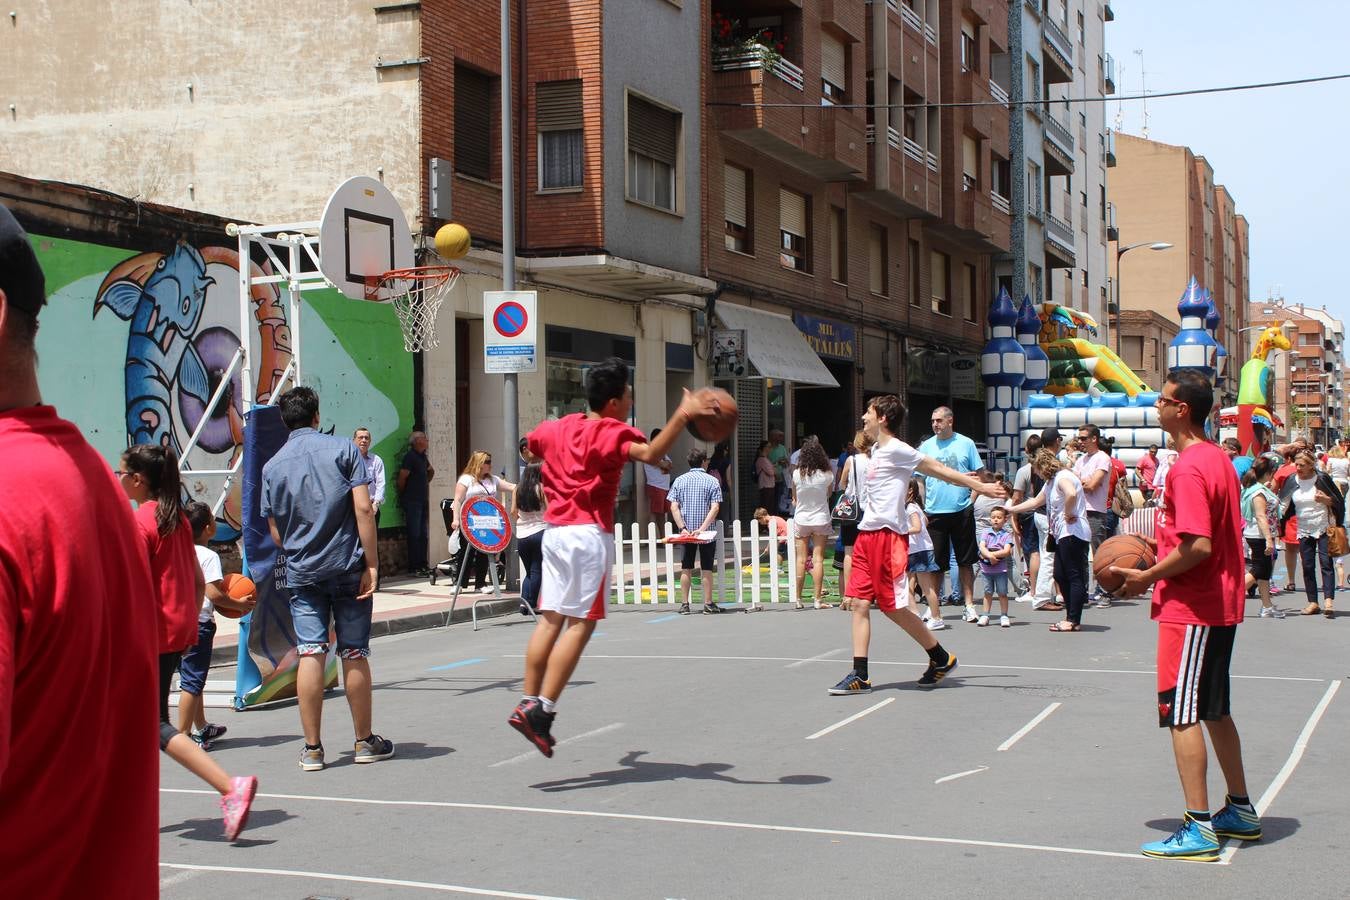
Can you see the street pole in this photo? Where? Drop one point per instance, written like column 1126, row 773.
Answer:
column 510, row 415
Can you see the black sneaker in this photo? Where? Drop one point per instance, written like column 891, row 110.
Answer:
column 373, row 749
column 853, row 683
column 684, row 609
column 935, row 673
column 712, row 609
column 530, row 720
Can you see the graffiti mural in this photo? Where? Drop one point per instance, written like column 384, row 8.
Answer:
column 134, row 344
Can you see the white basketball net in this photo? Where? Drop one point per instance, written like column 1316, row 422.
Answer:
column 416, row 295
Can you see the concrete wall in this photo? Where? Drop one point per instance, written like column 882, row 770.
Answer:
column 1149, row 190
column 285, row 101
column 655, row 48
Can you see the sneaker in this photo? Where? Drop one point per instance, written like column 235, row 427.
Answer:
column 311, row 759
column 373, row 749
column 983, row 620
column 684, row 609
column 712, row 609
column 1194, row 841
column 936, row 625
column 935, row 673
column 971, row 615
column 212, row 732
column 1271, row 612
column 1003, row 622
column 853, row 683
column 235, row 805
column 530, row 720
column 1235, row 822
column 1103, row 603
column 1027, row 598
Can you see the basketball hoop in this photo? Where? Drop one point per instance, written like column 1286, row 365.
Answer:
column 416, row 294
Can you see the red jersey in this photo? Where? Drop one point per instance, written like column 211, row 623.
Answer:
column 583, row 462
column 1202, row 499
column 173, row 564
column 77, row 655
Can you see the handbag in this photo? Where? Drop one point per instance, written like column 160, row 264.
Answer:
column 845, row 508
column 1337, row 543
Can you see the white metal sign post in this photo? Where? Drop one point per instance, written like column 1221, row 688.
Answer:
column 509, row 332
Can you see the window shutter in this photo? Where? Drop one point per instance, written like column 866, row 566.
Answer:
column 833, row 61
column 792, row 212
column 473, row 122
column 733, row 190
column 652, row 131
column 968, row 29
column 972, row 156
column 557, row 105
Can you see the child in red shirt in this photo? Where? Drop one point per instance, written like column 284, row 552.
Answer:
column 583, row 456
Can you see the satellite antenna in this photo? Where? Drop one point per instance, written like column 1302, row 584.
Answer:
column 1143, row 89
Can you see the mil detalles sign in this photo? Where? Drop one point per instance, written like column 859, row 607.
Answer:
column 827, row 337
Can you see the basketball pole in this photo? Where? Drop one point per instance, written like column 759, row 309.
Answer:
column 510, row 414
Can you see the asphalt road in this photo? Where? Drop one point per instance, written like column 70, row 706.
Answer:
column 702, row 757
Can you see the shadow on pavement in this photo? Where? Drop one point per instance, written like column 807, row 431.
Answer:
column 1273, row 830
column 212, row 831
column 461, row 685
column 636, row 771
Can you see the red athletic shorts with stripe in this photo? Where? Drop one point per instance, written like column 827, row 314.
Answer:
column 1193, row 672
column 880, row 564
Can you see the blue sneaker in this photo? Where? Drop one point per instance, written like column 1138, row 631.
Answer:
column 853, row 683
column 1193, row 841
column 1234, row 822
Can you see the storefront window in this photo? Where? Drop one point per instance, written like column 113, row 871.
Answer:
column 565, row 393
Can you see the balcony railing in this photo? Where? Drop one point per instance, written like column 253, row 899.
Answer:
column 1109, row 73
column 1059, row 133
column 1059, row 232
column 998, row 93
column 913, row 149
column 1001, row 203
column 911, row 18
column 930, row 34
column 1057, row 39
column 892, row 136
column 1110, row 148
column 725, row 60
column 932, row 160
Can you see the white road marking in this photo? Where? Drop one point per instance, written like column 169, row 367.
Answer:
column 961, row 774
column 853, row 718
column 1295, row 757
column 828, row 654
column 176, row 878
column 531, row 754
column 676, row 820
column 795, row 659
column 1022, row 732
column 361, row 879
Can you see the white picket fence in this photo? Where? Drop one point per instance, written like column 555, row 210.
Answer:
column 645, row 566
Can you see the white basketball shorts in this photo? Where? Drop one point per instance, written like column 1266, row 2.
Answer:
column 578, row 563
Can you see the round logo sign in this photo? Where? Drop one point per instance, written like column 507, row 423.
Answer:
column 510, row 319
column 486, row 525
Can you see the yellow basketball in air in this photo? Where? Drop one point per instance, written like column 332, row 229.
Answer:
column 452, row 241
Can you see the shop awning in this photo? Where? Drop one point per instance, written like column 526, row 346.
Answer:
column 775, row 347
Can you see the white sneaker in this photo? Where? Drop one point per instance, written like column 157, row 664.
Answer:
column 936, row 625
column 1271, row 612
column 982, row 621
column 1027, row 598
column 971, row 615
column 1003, row 622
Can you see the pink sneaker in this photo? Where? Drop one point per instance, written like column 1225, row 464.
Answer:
column 235, row 805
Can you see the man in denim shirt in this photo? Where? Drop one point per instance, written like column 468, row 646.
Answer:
column 316, row 497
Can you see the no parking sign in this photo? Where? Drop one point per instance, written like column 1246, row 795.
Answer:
column 485, row 524
column 509, row 331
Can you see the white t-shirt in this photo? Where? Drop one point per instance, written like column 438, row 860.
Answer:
column 1057, row 488
column 1312, row 516
column 1339, row 468
column 209, row 561
column 885, row 485
column 487, row 487
column 655, row 477
column 1088, row 464
column 813, row 497
column 918, row 540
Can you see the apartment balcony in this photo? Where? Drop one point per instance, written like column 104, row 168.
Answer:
column 849, row 16
column 1058, row 55
column 1060, row 251
column 1108, row 13
column 904, row 181
column 1108, row 74
column 823, row 142
column 995, row 16
column 982, row 116
column 1112, row 230
column 1059, row 153
column 1110, row 149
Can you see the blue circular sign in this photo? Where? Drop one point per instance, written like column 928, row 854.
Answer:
column 510, row 319
column 485, row 524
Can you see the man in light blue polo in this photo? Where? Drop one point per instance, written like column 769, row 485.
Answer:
column 951, row 514
column 316, row 497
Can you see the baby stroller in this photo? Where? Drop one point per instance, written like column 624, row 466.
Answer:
column 447, row 566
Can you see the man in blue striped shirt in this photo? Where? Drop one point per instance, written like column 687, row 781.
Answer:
column 695, row 497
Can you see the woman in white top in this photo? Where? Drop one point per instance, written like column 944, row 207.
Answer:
column 527, row 508
column 852, row 473
column 476, row 480
column 1338, row 467
column 1318, row 504
column 811, row 481
column 1066, row 507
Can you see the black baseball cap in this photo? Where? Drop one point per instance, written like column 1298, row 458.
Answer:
column 1050, row 435
column 20, row 275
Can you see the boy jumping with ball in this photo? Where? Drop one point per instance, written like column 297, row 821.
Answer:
column 583, row 456
column 881, row 552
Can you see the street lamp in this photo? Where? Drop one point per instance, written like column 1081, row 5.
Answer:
column 1120, row 294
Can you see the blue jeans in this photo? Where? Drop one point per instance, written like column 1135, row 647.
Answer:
column 531, row 552
column 314, row 606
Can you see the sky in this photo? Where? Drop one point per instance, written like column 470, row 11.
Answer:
column 1279, row 151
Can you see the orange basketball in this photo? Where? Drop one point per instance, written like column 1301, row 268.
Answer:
column 719, row 424
column 1126, row 551
column 239, row 587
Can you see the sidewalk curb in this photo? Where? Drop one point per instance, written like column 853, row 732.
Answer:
column 401, row 622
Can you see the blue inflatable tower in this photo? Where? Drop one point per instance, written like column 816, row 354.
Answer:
column 1029, row 336
column 1003, row 369
column 1193, row 348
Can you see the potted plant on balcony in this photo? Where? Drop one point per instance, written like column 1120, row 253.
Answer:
column 733, row 42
